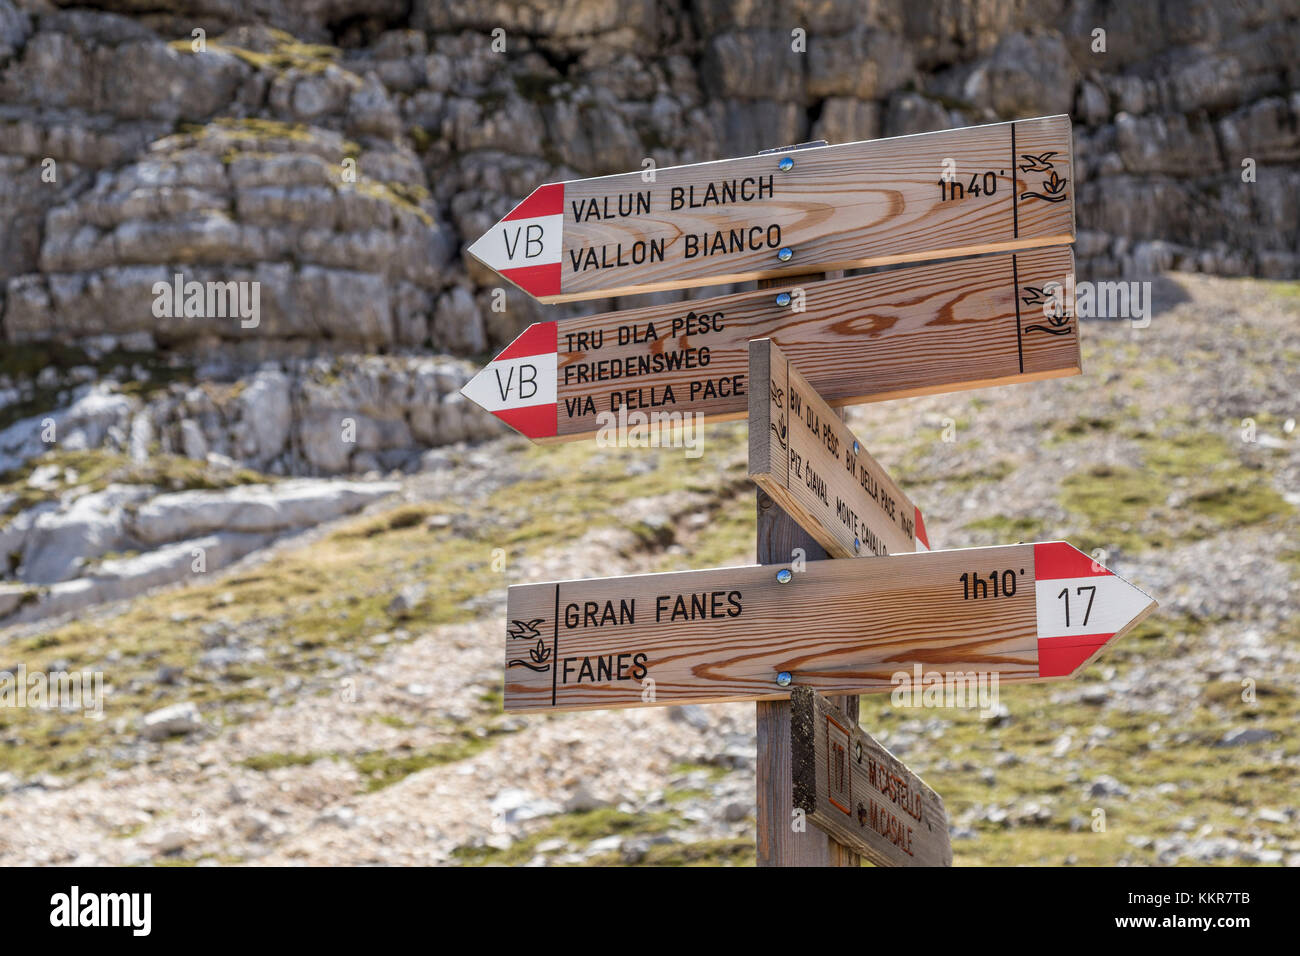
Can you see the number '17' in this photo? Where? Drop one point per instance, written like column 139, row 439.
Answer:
column 1065, row 596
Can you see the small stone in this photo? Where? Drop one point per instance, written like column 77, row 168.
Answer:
column 690, row 714
column 1244, row 736
column 171, row 721
column 633, row 850
column 170, row 841
column 583, row 800
column 1107, row 786
column 515, row 806
column 407, row 598
column 736, row 811
column 344, row 817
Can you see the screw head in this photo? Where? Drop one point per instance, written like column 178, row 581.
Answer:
column 784, row 679
column 783, row 576
column 857, row 545
column 785, row 254
column 783, row 298
column 856, row 447
column 857, row 751
column 786, row 164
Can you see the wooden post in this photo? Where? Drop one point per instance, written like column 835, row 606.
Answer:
column 777, row 843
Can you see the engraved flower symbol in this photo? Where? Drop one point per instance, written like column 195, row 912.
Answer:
column 1053, row 189
column 539, row 653
column 1054, row 309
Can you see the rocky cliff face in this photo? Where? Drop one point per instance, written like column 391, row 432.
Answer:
column 341, row 153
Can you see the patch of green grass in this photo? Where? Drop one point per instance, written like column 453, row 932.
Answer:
column 1020, row 528
column 715, row 772
column 287, row 53
column 403, row 197
column 679, row 794
column 96, row 469
column 1116, row 505
column 382, row 769
column 24, row 361
column 1190, row 485
column 406, row 516
column 251, row 128
column 576, row 830
column 275, row 761
column 1084, row 427
column 421, row 138
column 916, row 472
column 732, row 851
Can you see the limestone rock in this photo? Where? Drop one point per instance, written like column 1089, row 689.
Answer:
column 250, row 508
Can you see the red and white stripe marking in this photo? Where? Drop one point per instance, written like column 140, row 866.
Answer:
column 519, row 385
column 526, row 246
column 1081, row 606
column 922, row 539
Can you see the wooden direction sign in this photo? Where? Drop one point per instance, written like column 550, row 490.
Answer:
column 850, row 786
column 934, row 195
column 1027, row 612
column 909, row 331
column 808, row 461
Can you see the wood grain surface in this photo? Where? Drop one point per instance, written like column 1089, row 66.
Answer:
column 841, row 626
column 1000, row 187
column 854, row 789
column 777, row 842
column 804, row 456
column 909, row 331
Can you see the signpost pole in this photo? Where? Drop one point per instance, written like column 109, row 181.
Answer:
column 778, row 843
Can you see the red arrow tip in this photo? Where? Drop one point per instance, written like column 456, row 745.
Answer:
column 540, row 338
column 1081, row 607
column 545, row 200
column 519, row 385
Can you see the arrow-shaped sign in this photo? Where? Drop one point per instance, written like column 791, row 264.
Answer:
column 808, row 461
column 934, row 195
column 909, row 331
column 1027, row 612
column 849, row 785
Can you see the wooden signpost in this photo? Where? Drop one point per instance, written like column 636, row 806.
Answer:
column 871, row 608
column 993, row 188
column 1027, row 612
column 803, row 455
column 910, row 331
column 855, row 790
